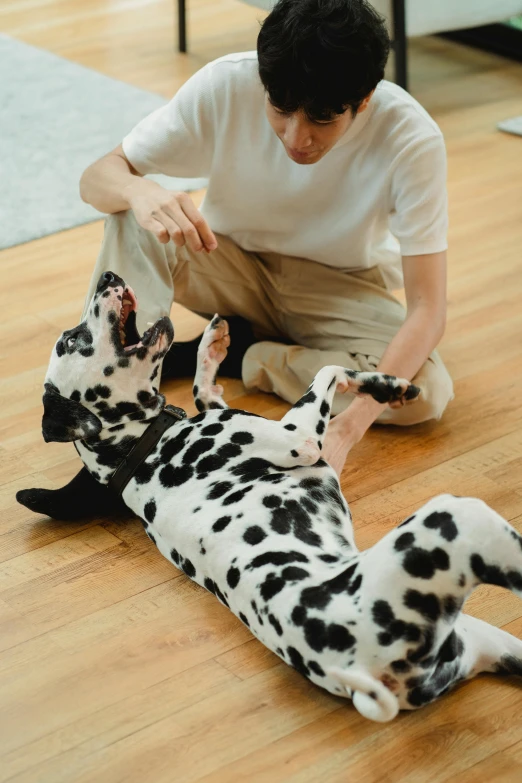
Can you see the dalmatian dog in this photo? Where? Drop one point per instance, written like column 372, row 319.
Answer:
column 248, row 509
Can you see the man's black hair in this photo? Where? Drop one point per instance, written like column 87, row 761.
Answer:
column 322, row 56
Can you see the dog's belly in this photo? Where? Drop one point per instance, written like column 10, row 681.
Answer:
column 265, row 541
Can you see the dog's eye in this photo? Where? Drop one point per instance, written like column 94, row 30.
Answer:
column 71, row 341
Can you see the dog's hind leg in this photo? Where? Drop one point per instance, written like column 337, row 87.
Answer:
column 487, row 648
column 426, row 568
column 211, row 352
column 311, row 413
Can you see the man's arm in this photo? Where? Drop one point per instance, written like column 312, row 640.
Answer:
column 112, row 185
column 425, row 287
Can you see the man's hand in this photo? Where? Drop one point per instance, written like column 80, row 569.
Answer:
column 169, row 215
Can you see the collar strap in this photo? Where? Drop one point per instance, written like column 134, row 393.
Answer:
column 141, row 450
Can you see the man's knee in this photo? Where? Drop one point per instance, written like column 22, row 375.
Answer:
column 436, row 392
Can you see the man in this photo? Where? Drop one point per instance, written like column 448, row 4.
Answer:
column 326, row 190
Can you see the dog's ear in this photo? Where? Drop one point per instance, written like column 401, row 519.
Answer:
column 65, row 420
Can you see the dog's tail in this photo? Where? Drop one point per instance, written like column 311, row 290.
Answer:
column 370, row 697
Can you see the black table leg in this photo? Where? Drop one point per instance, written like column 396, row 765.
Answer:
column 400, row 43
column 182, row 26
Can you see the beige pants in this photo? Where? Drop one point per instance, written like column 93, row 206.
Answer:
column 327, row 316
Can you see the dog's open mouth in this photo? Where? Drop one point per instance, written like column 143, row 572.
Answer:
column 130, row 338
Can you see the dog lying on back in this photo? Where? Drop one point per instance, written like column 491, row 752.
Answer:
column 248, row 509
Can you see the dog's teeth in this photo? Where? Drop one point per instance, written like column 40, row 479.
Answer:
column 127, row 301
column 150, row 323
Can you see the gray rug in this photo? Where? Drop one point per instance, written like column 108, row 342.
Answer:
column 56, row 118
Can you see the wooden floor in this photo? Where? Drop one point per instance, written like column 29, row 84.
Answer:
column 114, row 666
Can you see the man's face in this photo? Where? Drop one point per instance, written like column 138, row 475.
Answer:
column 307, row 141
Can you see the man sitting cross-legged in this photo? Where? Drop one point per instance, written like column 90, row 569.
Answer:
column 326, row 191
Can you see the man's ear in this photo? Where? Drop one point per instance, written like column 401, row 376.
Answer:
column 65, row 420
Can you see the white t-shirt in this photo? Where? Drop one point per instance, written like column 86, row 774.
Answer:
column 378, row 193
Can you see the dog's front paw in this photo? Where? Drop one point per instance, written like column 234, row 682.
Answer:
column 214, row 341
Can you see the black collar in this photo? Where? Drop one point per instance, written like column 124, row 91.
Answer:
column 141, row 450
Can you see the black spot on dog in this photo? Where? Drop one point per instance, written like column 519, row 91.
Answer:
column 76, row 396
column 452, row 648
column 219, row 489
column 277, row 559
column 316, row 669
column 298, row 615
column 149, row 511
column 450, row 606
column 108, row 370
column 209, row 585
column 321, row 426
column 319, row 635
column 174, row 445
column 242, row 438
column 244, row 619
column 271, row 586
column 400, row 667
column 297, row 661
column 421, row 653
column 290, row 427
column 383, row 616
column 444, row 523
column 423, row 563
column 233, row 576
column 294, row 574
column 319, row 596
column 87, row 352
column 309, row 397
column 324, row 410
column 274, row 622
column 102, row 391
column 271, row 501
column 147, row 399
column 212, row 429
column 404, row 541
column 221, row 523
column 229, row 451
column 150, row 536
column 90, row 395
column 254, row 535
column 124, row 361
column 188, row 568
column 328, row 558
column 294, row 453
column 145, row 472
column 209, row 464
column 236, row 497
column 407, row 521
column 198, row 448
column 426, row 604
column 171, row 476
column 508, row 665
column 494, row 575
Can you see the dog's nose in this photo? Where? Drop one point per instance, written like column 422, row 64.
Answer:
column 108, row 278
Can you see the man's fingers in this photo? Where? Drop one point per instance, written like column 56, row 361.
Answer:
column 193, row 214
column 159, row 230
